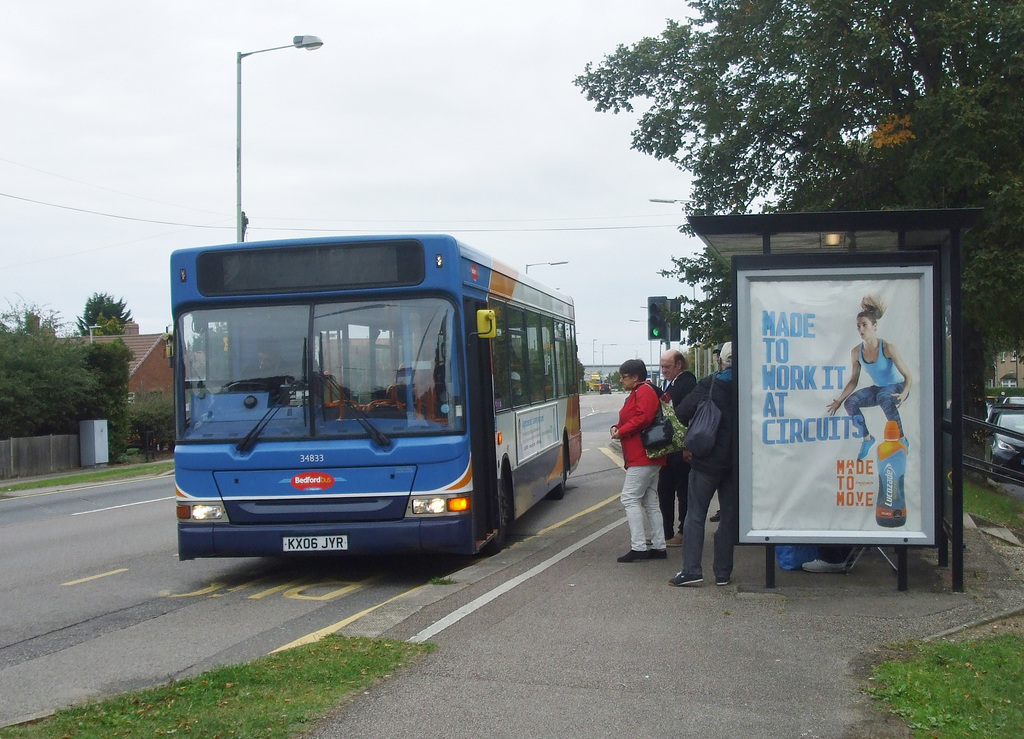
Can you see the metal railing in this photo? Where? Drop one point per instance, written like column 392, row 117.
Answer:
column 985, row 466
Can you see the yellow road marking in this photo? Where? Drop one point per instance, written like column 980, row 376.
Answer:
column 202, row 591
column 584, row 512
column 277, row 588
column 613, row 457
column 328, row 630
column 95, row 577
column 296, row 593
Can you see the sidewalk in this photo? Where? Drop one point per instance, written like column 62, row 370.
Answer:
column 586, row 647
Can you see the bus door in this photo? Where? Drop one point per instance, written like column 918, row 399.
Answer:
column 481, row 424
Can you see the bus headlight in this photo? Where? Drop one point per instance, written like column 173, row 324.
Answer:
column 201, row 512
column 436, row 505
column 428, row 505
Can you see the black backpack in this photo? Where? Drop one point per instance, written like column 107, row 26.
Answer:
column 703, row 428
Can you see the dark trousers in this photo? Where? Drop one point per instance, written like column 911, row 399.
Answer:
column 673, row 485
column 702, row 489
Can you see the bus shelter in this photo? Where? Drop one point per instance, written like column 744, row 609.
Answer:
column 847, row 345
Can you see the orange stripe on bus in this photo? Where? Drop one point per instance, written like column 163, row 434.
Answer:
column 503, row 285
column 465, row 478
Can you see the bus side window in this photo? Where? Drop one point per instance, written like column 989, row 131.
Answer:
column 535, row 347
column 561, row 361
column 547, row 334
column 518, row 372
column 499, row 359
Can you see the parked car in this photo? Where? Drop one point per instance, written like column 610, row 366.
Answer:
column 606, row 388
column 1007, row 451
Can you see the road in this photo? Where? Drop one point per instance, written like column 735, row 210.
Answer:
column 96, row 602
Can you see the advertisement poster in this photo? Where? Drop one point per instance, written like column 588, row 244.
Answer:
column 837, row 384
column 537, row 430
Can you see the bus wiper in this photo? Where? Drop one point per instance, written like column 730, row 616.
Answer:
column 249, row 441
column 378, row 436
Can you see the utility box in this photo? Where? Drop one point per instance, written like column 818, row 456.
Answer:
column 92, row 439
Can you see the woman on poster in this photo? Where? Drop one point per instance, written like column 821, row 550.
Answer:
column 889, row 375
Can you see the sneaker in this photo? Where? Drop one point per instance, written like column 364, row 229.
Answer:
column 657, row 554
column 686, row 581
column 819, row 565
column 721, row 581
column 865, row 447
column 675, row 541
column 634, row 556
column 717, row 517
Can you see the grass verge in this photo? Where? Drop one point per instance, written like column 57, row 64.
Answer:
column 106, row 475
column 992, row 503
column 957, row 689
column 967, row 686
column 274, row 697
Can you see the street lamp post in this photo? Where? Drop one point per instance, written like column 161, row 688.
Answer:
column 537, row 264
column 310, row 43
column 602, row 353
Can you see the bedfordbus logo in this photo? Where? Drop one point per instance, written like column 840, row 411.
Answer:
column 312, row 481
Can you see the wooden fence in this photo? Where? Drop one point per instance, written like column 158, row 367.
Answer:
column 38, row 455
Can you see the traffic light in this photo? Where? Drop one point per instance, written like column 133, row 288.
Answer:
column 657, row 314
column 674, row 329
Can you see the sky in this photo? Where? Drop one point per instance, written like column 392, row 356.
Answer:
column 117, row 145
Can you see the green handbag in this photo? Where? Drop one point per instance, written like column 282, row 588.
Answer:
column 677, row 444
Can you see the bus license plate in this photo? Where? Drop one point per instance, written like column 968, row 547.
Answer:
column 315, row 543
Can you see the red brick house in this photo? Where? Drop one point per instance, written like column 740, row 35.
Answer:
column 149, row 371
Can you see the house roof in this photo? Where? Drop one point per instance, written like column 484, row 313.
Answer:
column 140, row 345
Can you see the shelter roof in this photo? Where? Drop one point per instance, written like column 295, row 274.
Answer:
column 832, row 232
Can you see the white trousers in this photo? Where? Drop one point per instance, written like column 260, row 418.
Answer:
column 640, row 497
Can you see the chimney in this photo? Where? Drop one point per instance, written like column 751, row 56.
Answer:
column 131, row 328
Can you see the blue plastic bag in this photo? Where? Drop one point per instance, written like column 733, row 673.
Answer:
column 792, row 556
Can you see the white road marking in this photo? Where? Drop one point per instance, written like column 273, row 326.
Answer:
column 125, row 505
column 459, row 614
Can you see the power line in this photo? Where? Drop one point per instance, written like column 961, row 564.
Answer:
column 107, row 215
column 363, row 230
column 101, row 187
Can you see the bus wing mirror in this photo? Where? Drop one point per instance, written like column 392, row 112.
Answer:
column 486, row 325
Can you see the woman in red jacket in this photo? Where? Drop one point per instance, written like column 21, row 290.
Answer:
column 640, row 488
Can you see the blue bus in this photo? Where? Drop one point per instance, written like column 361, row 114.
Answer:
column 365, row 395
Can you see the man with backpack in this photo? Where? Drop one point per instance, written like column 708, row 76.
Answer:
column 711, row 469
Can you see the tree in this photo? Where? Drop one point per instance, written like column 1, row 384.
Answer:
column 152, row 413
column 107, row 314
column 45, row 383
column 707, row 319
column 812, row 105
column 49, row 384
column 108, row 363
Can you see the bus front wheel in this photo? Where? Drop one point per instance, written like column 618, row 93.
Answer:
column 505, row 515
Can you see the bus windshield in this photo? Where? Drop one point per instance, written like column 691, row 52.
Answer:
column 338, row 369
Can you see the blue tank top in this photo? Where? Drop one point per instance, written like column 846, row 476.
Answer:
column 883, row 371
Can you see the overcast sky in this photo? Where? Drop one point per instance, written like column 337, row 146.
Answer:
column 118, row 144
